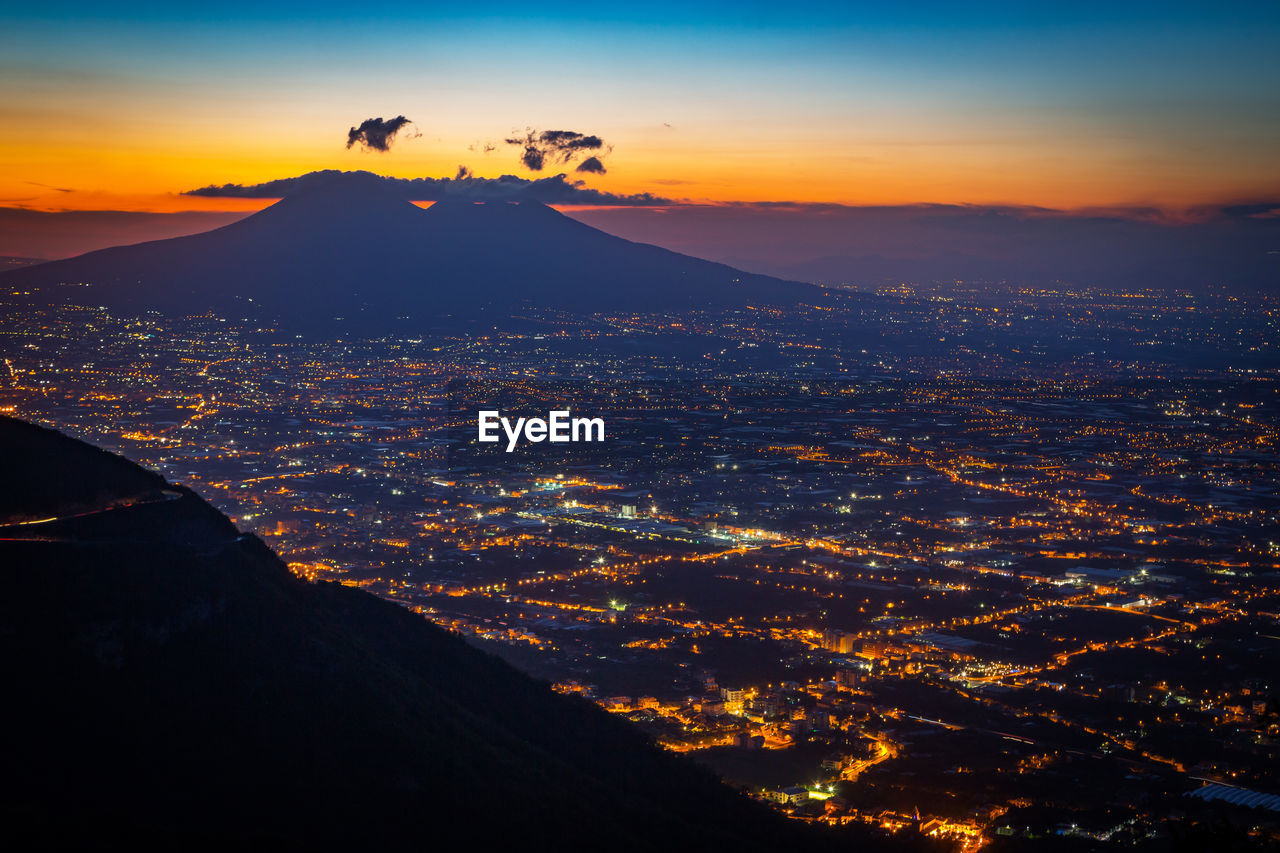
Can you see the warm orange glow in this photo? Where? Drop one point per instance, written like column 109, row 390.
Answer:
column 127, row 171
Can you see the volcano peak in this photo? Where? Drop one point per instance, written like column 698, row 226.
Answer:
column 349, row 251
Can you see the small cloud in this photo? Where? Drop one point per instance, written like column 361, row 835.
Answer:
column 593, row 165
column 51, row 187
column 538, row 148
column 532, row 158
column 375, row 134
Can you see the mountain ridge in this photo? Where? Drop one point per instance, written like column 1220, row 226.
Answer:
column 353, row 249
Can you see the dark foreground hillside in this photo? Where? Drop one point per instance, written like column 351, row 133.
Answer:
column 43, row 472
column 168, row 681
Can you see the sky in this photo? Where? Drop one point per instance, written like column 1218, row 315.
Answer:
column 1068, row 106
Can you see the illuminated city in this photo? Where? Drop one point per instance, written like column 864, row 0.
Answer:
column 672, row 426
column 957, row 587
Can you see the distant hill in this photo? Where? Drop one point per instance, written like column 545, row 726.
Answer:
column 168, row 681
column 350, row 253
column 8, row 262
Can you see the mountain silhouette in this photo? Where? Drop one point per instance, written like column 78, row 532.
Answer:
column 351, row 248
column 168, row 682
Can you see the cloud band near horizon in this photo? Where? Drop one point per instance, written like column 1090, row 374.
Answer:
column 554, row 189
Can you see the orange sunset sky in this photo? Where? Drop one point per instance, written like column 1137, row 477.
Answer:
column 1067, row 107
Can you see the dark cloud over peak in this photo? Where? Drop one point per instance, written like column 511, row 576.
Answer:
column 570, row 140
column 555, row 146
column 554, row 189
column 533, row 157
column 375, row 134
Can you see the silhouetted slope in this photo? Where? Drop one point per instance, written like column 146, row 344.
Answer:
column 168, row 680
column 43, row 472
column 352, row 249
